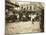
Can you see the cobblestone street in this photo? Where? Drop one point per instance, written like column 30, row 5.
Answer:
column 22, row 27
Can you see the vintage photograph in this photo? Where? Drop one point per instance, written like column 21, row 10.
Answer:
column 23, row 17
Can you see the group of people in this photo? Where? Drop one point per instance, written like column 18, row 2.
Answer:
column 21, row 16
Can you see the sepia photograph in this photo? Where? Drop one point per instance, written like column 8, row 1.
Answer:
column 23, row 17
